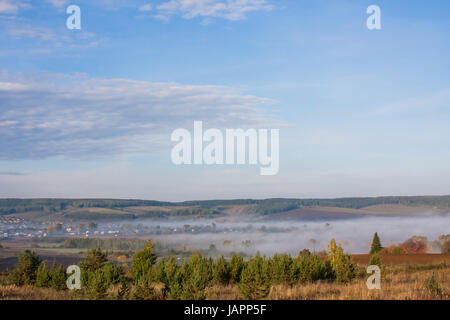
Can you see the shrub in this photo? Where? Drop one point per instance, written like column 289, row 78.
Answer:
column 221, row 272
column 446, row 247
column 143, row 262
column 26, row 269
column 43, row 276
column 433, row 287
column 197, row 276
column 57, row 278
column 415, row 244
column 255, row 282
column 281, row 269
column 343, row 266
column 97, row 286
column 143, row 289
column 236, row 266
column 311, row 268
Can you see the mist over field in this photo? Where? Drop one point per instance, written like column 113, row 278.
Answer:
column 270, row 237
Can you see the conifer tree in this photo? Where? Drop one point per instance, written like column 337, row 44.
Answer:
column 255, row 282
column 43, row 276
column 376, row 244
column 143, row 262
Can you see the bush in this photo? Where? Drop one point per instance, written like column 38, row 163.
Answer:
column 197, row 275
column 433, row 287
column 446, row 247
column 255, row 282
column 97, row 286
column 343, row 266
column 236, row 266
column 26, row 269
column 57, row 278
column 143, row 289
column 143, row 262
column 221, row 272
column 98, row 274
column 375, row 260
column 281, row 269
column 311, row 267
column 43, row 276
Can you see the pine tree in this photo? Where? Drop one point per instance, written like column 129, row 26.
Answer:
column 255, row 281
column 198, row 275
column 221, row 271
column 143, row 262
column 376, row 244
column 375, row 260
column 344, row 267
column 236, row 265
column 43, row 276
column 58, row 278
column 26, row 269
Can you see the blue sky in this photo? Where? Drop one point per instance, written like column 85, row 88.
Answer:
column 89, row 113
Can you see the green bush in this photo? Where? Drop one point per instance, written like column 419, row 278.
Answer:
column 281, row 269
column 343, row 266
column 143, row 289
column 97, row 286
column 25, row 270
column 308, row 268
column 143, row 262
column 197, row 273
column 43, row 276
column 236, row 266
column 255, row 282
column 58, row 278
column 221, row 272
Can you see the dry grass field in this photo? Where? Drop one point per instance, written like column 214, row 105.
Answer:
column 405, row 259
column 395, row 286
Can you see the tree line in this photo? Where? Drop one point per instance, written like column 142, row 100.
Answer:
column 152, row 278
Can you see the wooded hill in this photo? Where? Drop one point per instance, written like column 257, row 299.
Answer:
column 126, row 209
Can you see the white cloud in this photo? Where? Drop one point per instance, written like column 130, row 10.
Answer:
column 28, row 31
column 57, row 3
column 81, row 117
column 146, row 7
column 11, row 7
column 226, row 9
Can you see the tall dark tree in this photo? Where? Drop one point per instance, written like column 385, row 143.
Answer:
column 143, row 262
column 376, row 244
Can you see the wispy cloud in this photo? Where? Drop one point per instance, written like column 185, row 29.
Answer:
column 207, row 9
column 11, row 173
column 81, row 117
column 12, row 6
column 146, row 7
column 29, row 31
column 57, row 3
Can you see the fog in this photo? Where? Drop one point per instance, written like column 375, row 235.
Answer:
column 269, row 237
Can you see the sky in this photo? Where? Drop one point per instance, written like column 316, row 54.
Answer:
column 89, row 113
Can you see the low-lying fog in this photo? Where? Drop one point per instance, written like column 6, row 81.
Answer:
column 271, row 237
